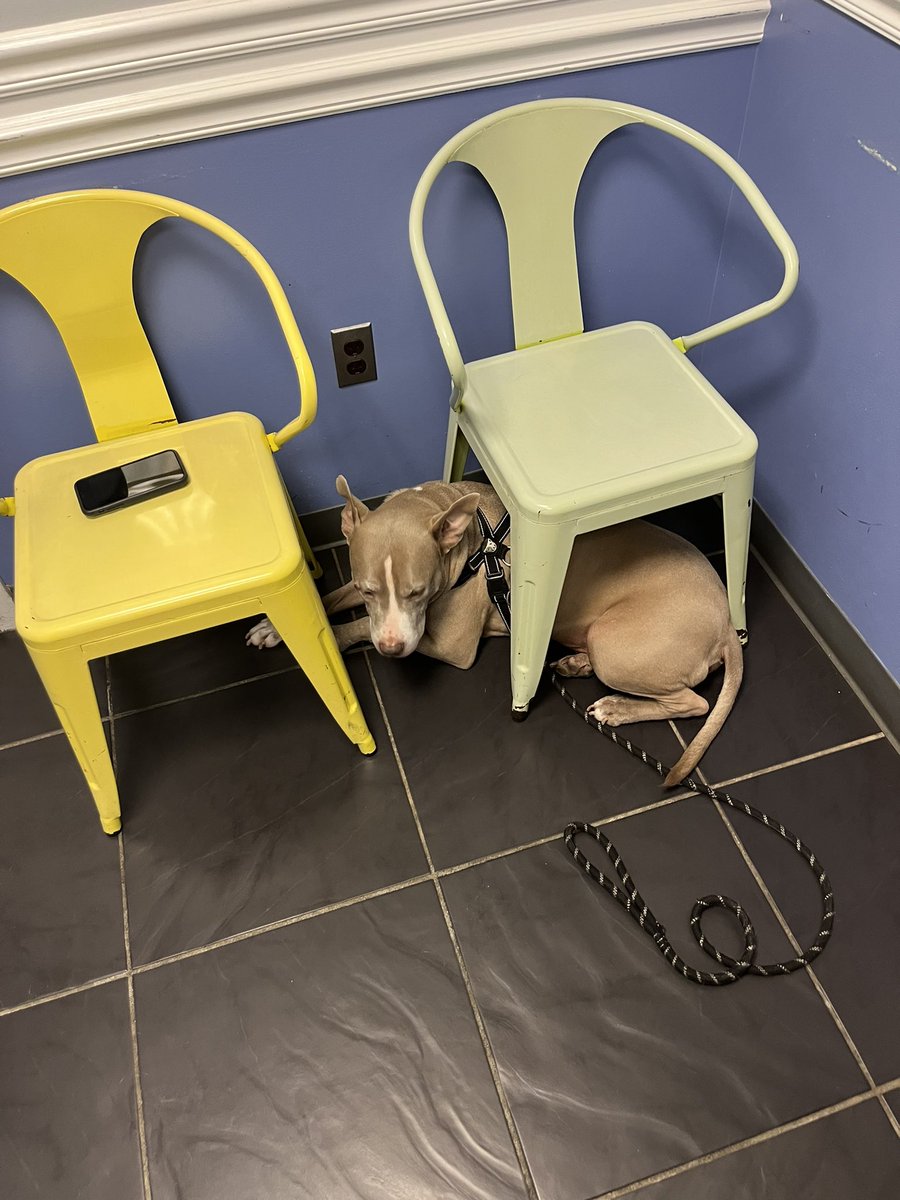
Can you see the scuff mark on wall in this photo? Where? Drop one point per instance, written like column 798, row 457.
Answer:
column 870, row 150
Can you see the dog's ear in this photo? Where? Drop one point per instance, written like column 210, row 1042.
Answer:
column 354, row 510
column 448, row 527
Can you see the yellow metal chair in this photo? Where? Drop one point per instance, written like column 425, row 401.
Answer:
column 224, row 546
column 579, row 430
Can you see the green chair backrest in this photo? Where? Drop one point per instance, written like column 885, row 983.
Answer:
column 533, row 156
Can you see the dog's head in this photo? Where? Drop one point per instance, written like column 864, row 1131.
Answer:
column 396, row 558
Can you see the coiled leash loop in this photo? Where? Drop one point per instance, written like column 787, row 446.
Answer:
column 625, row 892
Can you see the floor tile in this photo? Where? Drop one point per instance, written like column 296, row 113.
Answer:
column 845, row 807
column 67, row 1113
column 792, row 701
column 615, row 1066
column 26, row 709
column 60, row 894
column 337, row 1058
column 250, row 805
column 851, row 1154
column 199, row 662
column 483, row 782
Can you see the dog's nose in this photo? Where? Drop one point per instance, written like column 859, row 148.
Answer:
column 391, row 647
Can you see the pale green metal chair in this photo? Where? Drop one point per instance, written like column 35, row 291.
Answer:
column 579, row 430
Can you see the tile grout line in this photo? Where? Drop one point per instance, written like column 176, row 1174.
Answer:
column 757, row 1139
column 804, row 758
column 284, row 923
column 221, row 943
column 820, row 642
column 443, row 872
column 129, row 971
column 320, row 910
column 35, row 737
column 63, row 993
column 814, row 979
column 782, row 921
column 135, row 1051
column 789, row 933
column 222, row 687
column 323, row 910
column 487, row 1048
column 434, row 875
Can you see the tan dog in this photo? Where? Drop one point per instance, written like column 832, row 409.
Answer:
column 641, row 608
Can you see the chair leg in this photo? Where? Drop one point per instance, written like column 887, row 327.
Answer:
column 457, row 452
column 67, row 678
column 737, row 508
column 315, row 567
column 540, row 558
column 299, row 617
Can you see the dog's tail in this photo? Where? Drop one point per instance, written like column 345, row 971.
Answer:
column 734, row 673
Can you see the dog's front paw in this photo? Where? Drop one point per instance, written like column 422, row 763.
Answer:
column 263, row 635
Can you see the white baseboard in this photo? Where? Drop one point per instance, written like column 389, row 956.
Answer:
column 102, row 85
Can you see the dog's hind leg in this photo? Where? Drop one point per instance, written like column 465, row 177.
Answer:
column 573, row 666
column 624, row 710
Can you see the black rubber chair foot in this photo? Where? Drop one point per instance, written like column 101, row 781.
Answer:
column 519, row 714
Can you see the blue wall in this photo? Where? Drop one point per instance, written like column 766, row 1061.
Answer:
column 820, row 382
column 326, row 201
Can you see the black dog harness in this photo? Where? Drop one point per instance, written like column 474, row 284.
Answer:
column 491, row 554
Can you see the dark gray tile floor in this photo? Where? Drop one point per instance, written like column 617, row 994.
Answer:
column 850, row 1154
column 32, row 713
column 68, row 1122
column 315, row 1014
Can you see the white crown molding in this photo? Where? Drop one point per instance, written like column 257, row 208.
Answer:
column 881, row 15
column 197, row 68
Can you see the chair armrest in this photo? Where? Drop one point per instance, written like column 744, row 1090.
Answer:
column 306, row 378
column 769, row 221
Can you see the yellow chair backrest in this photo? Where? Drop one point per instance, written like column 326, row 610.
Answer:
column 74, row 251
column 533, row 157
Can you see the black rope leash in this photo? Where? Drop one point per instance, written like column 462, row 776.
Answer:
column 626, row 893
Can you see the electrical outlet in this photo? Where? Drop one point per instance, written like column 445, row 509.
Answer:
column 354, row 354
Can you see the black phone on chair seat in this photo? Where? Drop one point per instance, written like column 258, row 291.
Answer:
column 131, row 483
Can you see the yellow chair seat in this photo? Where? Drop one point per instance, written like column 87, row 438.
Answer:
column 227, row 535
column 575, row 424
